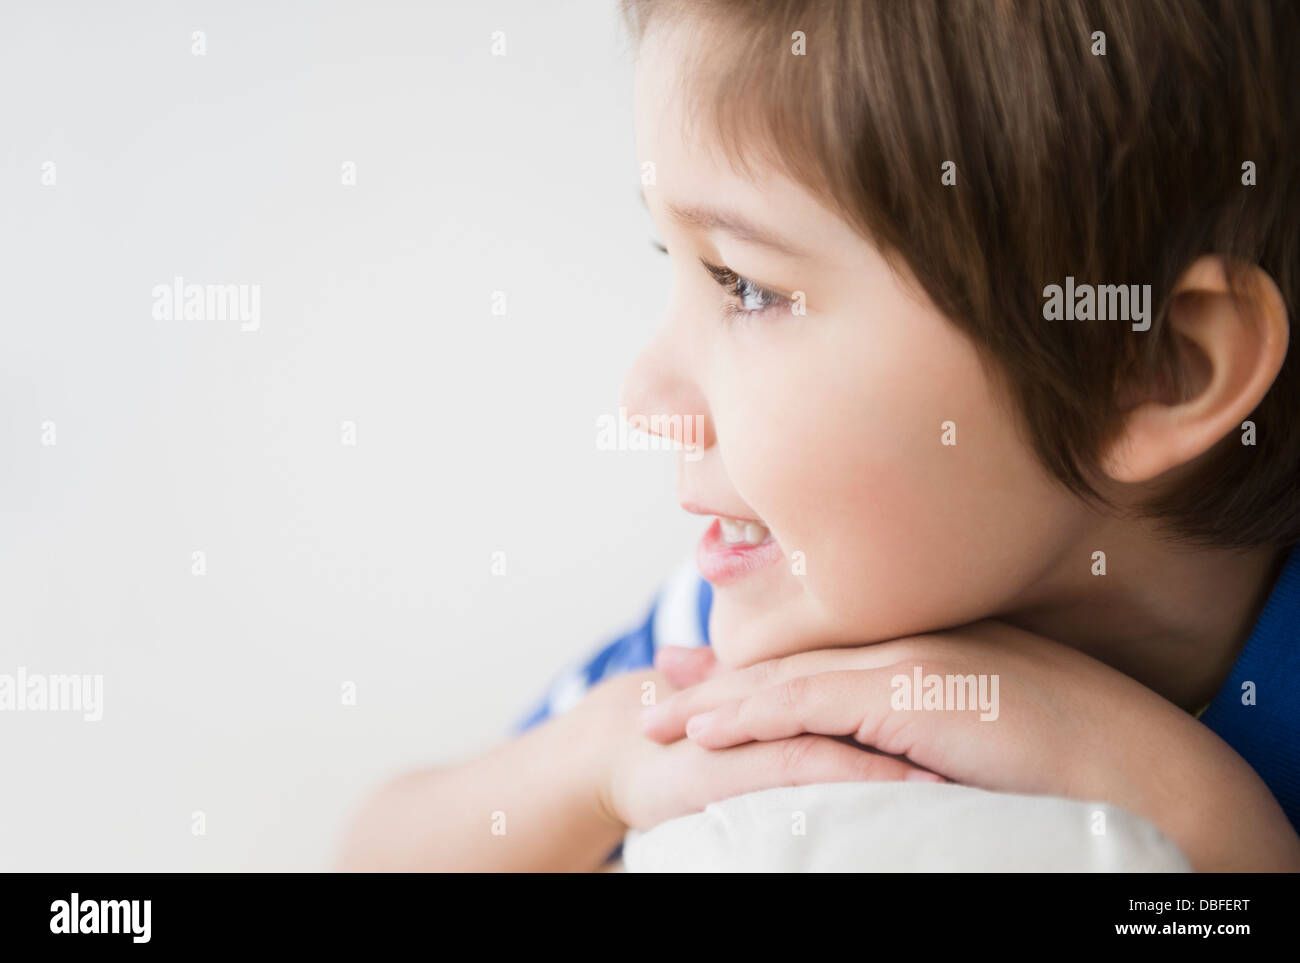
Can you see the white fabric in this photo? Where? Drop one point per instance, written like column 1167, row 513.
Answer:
column 677, row 612
column 902, row 827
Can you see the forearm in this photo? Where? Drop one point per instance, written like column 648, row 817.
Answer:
column 528, row 805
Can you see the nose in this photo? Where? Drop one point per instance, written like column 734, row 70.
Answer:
column 660, row 387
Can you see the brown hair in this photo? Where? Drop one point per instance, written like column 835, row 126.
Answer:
column 1120, row 168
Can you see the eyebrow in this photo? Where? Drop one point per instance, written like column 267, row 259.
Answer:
column 705, row 218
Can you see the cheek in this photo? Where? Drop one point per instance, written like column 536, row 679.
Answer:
column 844, row 456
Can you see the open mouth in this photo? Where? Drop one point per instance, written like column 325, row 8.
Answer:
column 735, row 547
column 736, row 531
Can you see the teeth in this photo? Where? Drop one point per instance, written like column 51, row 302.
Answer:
column 736, row 532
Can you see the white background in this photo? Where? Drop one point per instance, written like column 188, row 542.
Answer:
column 325, row 563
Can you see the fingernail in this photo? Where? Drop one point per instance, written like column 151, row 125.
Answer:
column 697, row 724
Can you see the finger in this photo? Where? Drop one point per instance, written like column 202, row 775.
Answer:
column 707, row 776
column 667, row 721
column 686, row 666
column 846, row 703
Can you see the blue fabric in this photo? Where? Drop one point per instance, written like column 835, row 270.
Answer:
column 705, row 603
column 635, row 650
column 679, row 612
column 1264, row 729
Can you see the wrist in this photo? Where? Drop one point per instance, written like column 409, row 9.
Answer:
column 591, row 731
column 607, row 718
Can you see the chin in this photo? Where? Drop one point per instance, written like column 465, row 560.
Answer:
column 729, row 624
column 743, row 634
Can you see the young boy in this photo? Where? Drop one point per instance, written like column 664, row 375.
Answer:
column 983, row 313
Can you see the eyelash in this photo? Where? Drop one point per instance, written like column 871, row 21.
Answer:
column 738, row 287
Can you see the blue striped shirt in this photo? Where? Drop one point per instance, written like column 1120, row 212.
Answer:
column 679, row 615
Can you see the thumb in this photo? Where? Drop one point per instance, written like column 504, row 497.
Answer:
column 686, row 665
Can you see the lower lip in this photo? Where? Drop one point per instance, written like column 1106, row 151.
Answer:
column 721, row 563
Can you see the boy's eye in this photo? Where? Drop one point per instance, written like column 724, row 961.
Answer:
column 750, row 299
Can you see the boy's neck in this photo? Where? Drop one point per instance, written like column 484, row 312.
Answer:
column 1173, row 618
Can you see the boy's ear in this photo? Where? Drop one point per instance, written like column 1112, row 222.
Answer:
column 1229, row 351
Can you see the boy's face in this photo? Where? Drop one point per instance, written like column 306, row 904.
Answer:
column 827, row 428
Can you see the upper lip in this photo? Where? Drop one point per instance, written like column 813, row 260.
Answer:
column 696, row 509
